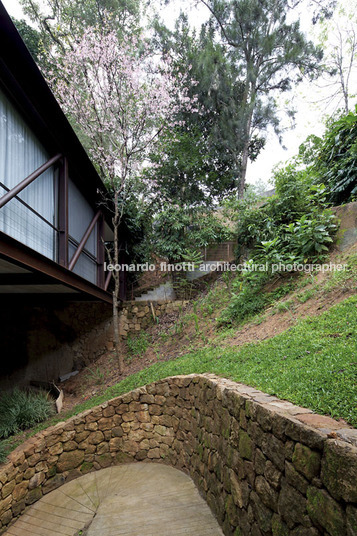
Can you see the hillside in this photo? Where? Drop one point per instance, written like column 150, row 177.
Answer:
column 196, row 329
column 301, row 347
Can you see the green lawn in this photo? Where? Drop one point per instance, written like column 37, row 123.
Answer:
column 313, row 364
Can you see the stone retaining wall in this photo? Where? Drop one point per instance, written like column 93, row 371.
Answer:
column 42, row 341
column 265, row 467
column 138, row 315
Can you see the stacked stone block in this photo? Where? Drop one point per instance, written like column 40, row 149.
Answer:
column 138, row 315
column 262, row 470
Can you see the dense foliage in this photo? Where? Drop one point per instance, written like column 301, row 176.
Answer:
column 178, row 232
column 336, row 159
column 270, row 54
column 22, row 409
column 200, row 162
column 292, row 227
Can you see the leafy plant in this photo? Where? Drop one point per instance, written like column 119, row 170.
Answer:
column 137, row 344
column 303, row 297
column 285, row 306
column 309, row 237
column 247, row 298
column 97, row 375
column 336, row 162
column 21, row 409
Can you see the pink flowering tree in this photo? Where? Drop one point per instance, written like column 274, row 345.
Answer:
column 121, row 98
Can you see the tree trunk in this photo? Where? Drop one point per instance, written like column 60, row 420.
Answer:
column 245, row 153
column 116, row 333
column 248, row 102
column 243, row 172
column 116, row 300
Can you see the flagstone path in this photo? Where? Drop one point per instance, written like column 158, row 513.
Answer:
column 138, row 499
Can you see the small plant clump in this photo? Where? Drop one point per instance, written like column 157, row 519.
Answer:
column 3, row 451
column 20, row 409
column 96, row 374
column 137, row 344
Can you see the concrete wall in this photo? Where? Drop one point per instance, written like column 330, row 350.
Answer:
column 223, row 251
column 265, row 467
column 42, row 342
column 347, row 234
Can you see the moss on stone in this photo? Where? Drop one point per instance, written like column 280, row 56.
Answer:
column 245, row 445
column 324, row 510
column 306, row 461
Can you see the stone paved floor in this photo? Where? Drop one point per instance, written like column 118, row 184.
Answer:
column 138, row 499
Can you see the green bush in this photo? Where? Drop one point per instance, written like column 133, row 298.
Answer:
column 296, row 196
column 247, row 297
column 22, row 409
column 335, row 163
column 309, row 237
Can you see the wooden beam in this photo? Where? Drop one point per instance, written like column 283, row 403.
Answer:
column 26, row 279
column 84, row 241
column 22, row 185
column 12, row 250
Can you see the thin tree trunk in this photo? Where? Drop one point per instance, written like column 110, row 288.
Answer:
column 116, row 332
column 243, row 172
column 248, row 102
column 116, row 300
column 245, row 153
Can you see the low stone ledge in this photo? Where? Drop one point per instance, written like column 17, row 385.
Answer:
column 265, row 466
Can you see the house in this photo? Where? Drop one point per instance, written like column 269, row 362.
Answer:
column 54, row 300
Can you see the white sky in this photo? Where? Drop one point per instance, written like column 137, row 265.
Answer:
column 310, row 117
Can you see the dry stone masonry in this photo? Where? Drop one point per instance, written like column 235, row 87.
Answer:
column 265, row 466
column 136, row 316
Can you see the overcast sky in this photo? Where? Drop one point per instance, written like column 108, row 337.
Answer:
column 310, row 116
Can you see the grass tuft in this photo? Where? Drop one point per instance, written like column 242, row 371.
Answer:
column 137, row 344
column 22, row 409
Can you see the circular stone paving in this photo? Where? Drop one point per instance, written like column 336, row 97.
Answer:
column 137, row 499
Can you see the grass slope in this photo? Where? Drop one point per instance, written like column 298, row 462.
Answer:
column 313, row 364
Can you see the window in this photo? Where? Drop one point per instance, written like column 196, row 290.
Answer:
column 33, row 220
column 80, row 214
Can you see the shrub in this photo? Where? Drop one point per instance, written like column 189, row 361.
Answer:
column 309, row 237
column 336, row 162
column 21, row 409
column 247, row 297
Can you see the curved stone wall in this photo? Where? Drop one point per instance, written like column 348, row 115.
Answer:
column 265, row 466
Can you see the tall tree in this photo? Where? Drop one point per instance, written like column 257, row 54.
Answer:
column 63, row 22
column 122, row 98
column 203, row 163
column 270, row 55
column 338, row 39
column 31, row 38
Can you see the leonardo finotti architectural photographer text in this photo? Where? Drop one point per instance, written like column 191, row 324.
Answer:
column 225, row 267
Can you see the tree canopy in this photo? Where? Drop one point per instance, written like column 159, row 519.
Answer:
column 270, row 55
